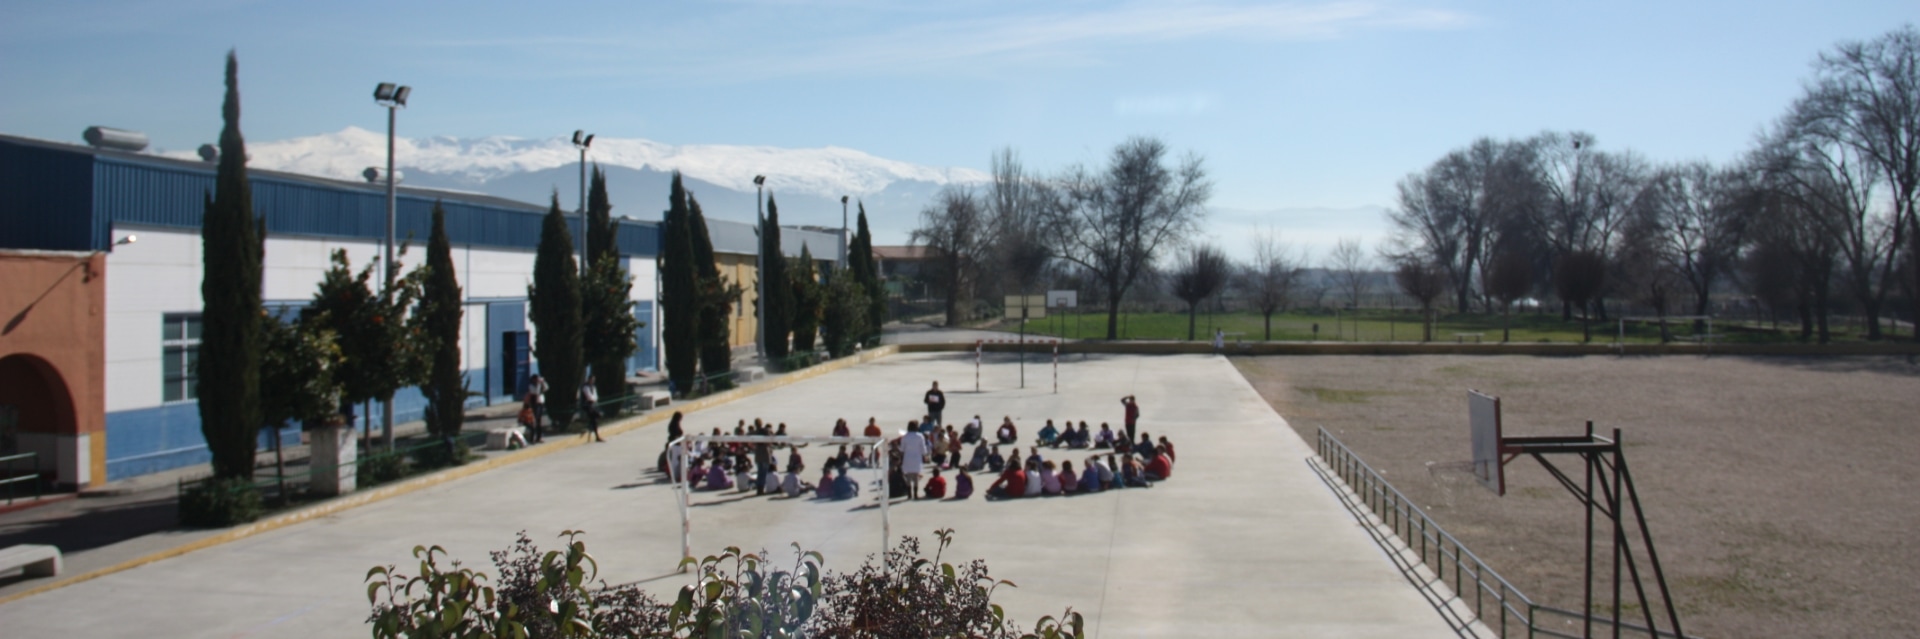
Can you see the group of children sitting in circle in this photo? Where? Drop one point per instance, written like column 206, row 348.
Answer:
column 743, row 466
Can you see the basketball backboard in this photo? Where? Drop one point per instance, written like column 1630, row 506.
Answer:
column 1063, row 299
column 1483, row 416
column 1026, row 306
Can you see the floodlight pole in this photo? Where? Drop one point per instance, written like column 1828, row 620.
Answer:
column 392, row 97
column 760, row 267
column 582, row 143
column 843, row 234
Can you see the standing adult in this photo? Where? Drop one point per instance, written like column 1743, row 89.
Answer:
column 1133, row 414
column 537, row 397
column 913, row 452
column 590, row 407
column 936, row 402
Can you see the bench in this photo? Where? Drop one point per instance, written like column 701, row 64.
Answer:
column 750, row 373
column 33, row 560
column 1461, row 338
column 650, row 399
column 504, row 438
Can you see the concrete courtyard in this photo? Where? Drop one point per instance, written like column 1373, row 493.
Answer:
column 1243, row 541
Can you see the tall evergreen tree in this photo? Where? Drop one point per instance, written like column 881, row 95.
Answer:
column 554, row 298
column 229, row 365
column 606, row 302
column 868, row 272
column 439, row 312
column 805, row 283
column 776, row 295
column 678, row 276
column 716, row 299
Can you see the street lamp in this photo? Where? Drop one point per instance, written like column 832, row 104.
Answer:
column 843, row 233
column 582, row 143
column 759, row 269
column 393, row 97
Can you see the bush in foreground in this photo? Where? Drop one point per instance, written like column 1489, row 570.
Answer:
column 737, row 594
column 219, row 503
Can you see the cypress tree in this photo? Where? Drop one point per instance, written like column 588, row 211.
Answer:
column 440, row 311
column 717, row 297
column 806, row 301
column 555, row 301
column 776, row 295
column 229, row 364
column 868, row 273
column 678, row 274
column 606, row 303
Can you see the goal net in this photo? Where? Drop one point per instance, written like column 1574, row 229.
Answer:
column 682, row 455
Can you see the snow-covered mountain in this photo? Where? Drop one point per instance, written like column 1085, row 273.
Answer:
column 807, row 182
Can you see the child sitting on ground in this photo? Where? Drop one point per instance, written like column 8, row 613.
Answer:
column 1069, row 482
column 1049, row 436
column 937, row 486
column 963, row 485
column 995, row 462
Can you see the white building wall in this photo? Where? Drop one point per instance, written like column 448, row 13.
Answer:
column 161, row 272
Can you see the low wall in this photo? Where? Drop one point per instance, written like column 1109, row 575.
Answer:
column 1429, row 348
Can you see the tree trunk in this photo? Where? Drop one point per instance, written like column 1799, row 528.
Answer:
column 1586, row 323
column 1566, row 310
column 1821, row 311
column 1872, row 308
column 1506, row 323
column 1269, row 327
column 1192, row 313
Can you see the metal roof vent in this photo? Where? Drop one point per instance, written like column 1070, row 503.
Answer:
column 209, row 153
column 376, row 175
column 101, row 137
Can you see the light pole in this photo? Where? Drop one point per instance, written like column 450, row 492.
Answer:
column 843, row 234
column 759, row 270
column 582, row 143
column 393, row 97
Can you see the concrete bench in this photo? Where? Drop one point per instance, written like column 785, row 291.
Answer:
column 33, row 560
column 650, row 399
column 504, row 438
column 1461, row 338
column 750, row 373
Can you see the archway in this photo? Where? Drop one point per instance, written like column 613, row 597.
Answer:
column 35, row 398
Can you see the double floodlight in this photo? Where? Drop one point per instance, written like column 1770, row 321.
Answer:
column 580, row 141
column 390, row 94
column 759, row 180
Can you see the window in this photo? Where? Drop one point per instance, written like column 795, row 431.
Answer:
column 179, row 356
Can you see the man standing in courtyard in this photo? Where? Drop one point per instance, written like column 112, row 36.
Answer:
column 936, row 402
column 1133, row 414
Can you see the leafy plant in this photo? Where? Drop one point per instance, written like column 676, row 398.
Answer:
column 220, row 502
column 382, row 468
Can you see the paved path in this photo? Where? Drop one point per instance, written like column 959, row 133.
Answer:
column 1243, row 541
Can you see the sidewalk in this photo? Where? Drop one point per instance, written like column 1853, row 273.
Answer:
column 1244, row 542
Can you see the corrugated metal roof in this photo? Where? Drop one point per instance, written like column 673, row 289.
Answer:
column 58, row 196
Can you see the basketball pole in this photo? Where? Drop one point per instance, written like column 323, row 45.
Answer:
column 1056, row 368
column 977, row 346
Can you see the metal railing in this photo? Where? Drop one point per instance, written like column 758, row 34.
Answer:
column 278, row 488
column 1474, row 599
column 7, row 477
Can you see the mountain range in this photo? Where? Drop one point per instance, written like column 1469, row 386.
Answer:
column 806, row 183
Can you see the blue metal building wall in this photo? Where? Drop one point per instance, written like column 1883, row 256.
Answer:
column 44, row 199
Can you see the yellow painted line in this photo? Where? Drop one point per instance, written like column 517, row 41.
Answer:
column 412, row 485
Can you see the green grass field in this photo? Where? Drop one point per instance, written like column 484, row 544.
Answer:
column 1386, row 326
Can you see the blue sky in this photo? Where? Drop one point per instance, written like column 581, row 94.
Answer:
column 1310, row 105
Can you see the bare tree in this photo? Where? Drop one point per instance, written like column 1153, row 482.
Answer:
column 1860, row 124
column 1509, row 277
column 1202, row 272
column 1689, row 219
column 1586, row 197
column 1348, row 265
column 1268, row 282
column 955, row 231
column 1578, row 278
column 1017, row 208
column 1424, row 282
column 1116, row 223
column 1462, row 204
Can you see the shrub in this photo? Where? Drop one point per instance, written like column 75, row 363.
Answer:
column 737, row 594
column 218, row 503
column 797, row 361
column 451, row 451
column 380, row 468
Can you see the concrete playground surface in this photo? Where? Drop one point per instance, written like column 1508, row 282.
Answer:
column 1243, row 541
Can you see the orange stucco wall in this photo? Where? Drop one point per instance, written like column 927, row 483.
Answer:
column 52, row 314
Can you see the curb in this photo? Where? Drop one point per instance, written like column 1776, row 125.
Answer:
column 427, row 481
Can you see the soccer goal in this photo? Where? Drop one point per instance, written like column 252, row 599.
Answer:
column 1672, row 322
column 683, row 492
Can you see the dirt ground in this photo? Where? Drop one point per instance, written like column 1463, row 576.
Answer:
column 1781, row 492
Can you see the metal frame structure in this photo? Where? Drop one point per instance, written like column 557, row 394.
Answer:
column 684, row 494
column 1605, row 460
